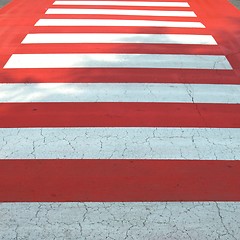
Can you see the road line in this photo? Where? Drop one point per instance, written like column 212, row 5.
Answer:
column 117, row 23
column 123, row 3
column 119, row 29
column 121, row 12
column 146, row 180
column 119, row 92
column 91, row 60
column 119, row 38
column 119, row 115
column 120, row 143
column 119, row 48
column 117, row 75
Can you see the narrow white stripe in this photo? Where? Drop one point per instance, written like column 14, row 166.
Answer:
column 119, row 38
column 121, row 12
column 119, row 92
column 176, row 61
column 117, row 23
column 123, row 3
column 104, row 220
column 120, row 143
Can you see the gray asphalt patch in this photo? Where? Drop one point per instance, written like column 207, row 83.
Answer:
column 4, row 2
column 236, row 3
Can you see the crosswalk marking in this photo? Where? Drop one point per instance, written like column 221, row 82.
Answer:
column 123, row 3
column 75, row 60
column 116, row 23
column 156, row 13
column 120, row 143
column 128, row 91
column 120, row 92
column 118, row 114
column 119, row 38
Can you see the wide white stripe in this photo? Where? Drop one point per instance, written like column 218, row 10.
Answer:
column 115, row 220
column 117, row 23
column 119, row 92
column 118, row 38
column 75, row 60
column 123, row 3
column 121, row 12
column 120, row 143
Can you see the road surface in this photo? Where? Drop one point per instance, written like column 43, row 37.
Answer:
column 234, row 2
column 119, row 120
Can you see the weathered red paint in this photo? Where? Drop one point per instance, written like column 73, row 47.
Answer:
column 119, row 180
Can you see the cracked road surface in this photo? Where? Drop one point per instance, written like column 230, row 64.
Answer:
column 155, row 220
column 119, row 120
column 120, row 143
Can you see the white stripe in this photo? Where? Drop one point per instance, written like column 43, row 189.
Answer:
column 121, row 12
column 115, row 220
column 119, row 38
column 75, row 60
column 120, row 143
column 123, row 3
column 117, row 23
column 119, row 92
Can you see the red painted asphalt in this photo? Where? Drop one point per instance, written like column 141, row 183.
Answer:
column 119, row 115
column 120, row 180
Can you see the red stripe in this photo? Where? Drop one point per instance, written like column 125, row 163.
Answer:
column 119, row 180
column 120, row 48
column 118, row 75
column 92, row 29
column 123, row 17
column 119, row 115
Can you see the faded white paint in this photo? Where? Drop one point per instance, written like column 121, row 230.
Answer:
column 119, row 38
column 147, row 220
column 117, row 23
column 112, row 60
column 123, row 3
column 119, row 92
column 120, row 143
column 156, row 13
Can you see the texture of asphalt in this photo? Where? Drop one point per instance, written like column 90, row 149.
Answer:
column 4, row 2
column 234, row 2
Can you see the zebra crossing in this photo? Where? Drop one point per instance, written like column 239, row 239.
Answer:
column 111, row 109
column 120, row 80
